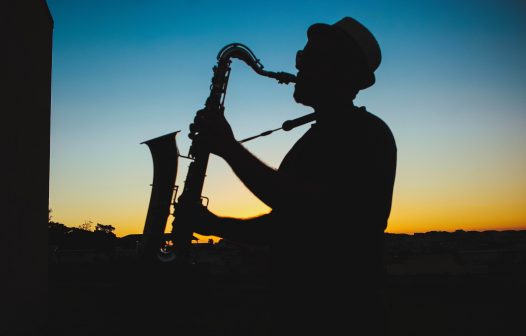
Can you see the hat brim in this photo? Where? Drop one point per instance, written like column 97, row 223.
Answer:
column 321, row 30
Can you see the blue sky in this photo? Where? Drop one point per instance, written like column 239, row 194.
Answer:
column 450, row 86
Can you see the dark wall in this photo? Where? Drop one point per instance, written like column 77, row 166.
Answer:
column 26, row 110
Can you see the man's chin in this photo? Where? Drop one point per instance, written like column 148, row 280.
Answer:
column 300, row 99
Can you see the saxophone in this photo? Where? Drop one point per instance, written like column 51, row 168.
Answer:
column 176, row 247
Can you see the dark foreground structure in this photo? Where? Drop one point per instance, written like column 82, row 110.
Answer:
column 104, row 300
column 461, row 284
column 26, row 97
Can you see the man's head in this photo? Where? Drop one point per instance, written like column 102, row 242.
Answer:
column 337, row 61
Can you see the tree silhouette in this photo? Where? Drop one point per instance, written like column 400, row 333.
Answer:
column 104, row 228
column 86, row 226
column 57, row 233
column 63, row 238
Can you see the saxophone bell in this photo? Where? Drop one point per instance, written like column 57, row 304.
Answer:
column 165, row 154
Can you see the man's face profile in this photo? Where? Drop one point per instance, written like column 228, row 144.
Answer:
column 323, row 66
column 314, row 68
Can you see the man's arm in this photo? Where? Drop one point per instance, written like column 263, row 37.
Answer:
column 255, row 230
column 259, row 178
column 215, row 133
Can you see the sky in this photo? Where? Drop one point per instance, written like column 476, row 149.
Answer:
column 451, row 86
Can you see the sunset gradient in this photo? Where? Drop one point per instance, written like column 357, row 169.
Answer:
column 451, row 86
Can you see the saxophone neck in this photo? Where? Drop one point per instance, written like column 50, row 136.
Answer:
column 242, row 52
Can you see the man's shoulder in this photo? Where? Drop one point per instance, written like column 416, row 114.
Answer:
column 371, row 117
column 374, row 123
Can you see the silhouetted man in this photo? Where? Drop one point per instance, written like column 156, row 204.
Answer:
column 330, row 197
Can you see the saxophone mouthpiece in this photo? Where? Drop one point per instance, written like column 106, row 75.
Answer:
column 285, row 77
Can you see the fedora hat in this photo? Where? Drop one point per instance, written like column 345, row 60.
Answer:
column 360, row 37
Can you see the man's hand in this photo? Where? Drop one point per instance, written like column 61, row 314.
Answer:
column 211, row 130
column 197, row 218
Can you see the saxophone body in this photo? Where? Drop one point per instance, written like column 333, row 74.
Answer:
column 191, row 196
column 165, row 156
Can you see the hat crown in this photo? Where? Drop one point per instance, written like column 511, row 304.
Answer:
column 364, row 38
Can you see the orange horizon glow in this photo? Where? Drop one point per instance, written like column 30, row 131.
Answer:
column 398, row 223
column 417, row 207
